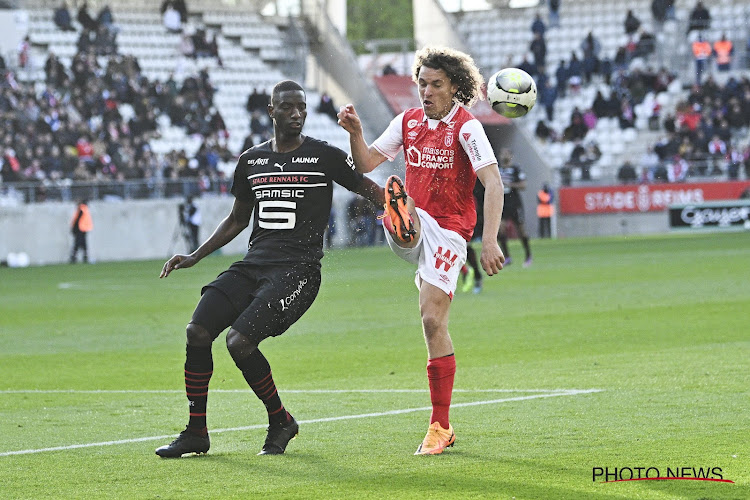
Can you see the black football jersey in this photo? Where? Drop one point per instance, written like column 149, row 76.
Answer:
column 292, row 194
column 512, row 173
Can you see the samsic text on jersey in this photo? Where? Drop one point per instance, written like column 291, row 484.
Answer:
column 292, row 194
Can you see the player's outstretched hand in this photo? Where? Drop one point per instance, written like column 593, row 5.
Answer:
column 177, row 262
column 348, row 119
column 492, row 258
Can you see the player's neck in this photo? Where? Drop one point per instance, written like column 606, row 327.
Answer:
column 285, row 144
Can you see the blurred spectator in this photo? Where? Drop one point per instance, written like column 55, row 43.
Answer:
column 62, row 18
column 576, row 129
column 259, row 125
column 626, row 174
column 659, row 10
column 632, row 23
column 561, row 76
column 257, row 100
column 527, row 66
column 700, row 18
column 554, row 13
column 701, row 54
column 627, row 114
column 187, row 49
column 678, row 169
column 538, row 48
column 723, row 50
column 389, row 70
column 105, row 18
column 646, row 44
column 24, row 52
column 575, row 73
column 589, row 118
column 548, row 98
column 171, row 19
column 735, row 159
column 542, row 131
column 538, row 25
column 84, row 18
column 545, row 209
column 590, row 47
column 649, row 162
column 600, row 106
column 326, row 106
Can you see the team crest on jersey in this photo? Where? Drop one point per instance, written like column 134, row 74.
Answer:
column 448, row 140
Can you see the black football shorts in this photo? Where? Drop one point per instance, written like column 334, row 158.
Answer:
column 257, row 301
column 514, row 212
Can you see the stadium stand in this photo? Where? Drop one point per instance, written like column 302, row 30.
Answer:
column 500, row 37
column 243, row 63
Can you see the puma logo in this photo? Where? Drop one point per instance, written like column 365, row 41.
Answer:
column 280, row 167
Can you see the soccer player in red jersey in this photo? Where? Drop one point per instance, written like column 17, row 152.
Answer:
column 446, row 149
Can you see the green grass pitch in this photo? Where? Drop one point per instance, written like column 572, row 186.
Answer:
column 91, row 379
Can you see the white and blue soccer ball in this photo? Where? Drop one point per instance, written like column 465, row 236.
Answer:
column 511, row 92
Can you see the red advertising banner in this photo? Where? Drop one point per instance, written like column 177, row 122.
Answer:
column 645, row 197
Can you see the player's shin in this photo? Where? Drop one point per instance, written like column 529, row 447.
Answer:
column 441, row 373
column 198, row 370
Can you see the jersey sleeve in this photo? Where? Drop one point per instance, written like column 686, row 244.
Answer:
column 241, row 188
column 391, row 141
column 342, row 169
column 477, row 146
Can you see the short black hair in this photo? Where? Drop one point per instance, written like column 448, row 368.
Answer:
column 284, row 86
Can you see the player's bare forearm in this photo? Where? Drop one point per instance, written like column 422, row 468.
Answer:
column 365, row 158
column 228, row 229
column 492, row 258
column 372, row 192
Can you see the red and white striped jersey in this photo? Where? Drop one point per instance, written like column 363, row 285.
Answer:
column 442, row 158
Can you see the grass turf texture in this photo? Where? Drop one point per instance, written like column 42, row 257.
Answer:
column 659, row 324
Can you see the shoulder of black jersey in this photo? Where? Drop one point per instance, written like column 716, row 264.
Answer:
column 324, row 145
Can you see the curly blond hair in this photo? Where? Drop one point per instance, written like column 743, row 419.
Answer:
column 459, row 67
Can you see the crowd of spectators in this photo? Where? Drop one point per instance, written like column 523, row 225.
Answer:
column 74, row 129
column 705, row 137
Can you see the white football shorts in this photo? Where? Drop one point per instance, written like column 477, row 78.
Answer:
column 439, row 254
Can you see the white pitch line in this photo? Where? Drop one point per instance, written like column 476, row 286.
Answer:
column 571, row 392
column 281, row 390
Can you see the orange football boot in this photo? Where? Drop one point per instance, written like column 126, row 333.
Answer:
column 436, row 440
column 397, row 220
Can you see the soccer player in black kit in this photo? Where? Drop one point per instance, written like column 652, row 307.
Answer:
column 514, row 181
column 288, row 183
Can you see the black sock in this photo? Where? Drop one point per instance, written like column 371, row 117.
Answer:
column 471, row 259
column 526, row 248
column 504, row 245
column 257, row 373
column 199, row 365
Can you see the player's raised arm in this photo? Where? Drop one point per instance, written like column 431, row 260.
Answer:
column 365, row 158
column 232, row 225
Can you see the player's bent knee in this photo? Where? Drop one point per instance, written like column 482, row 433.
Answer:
column 198, row 335
column 239, row 345
column 431, row 324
